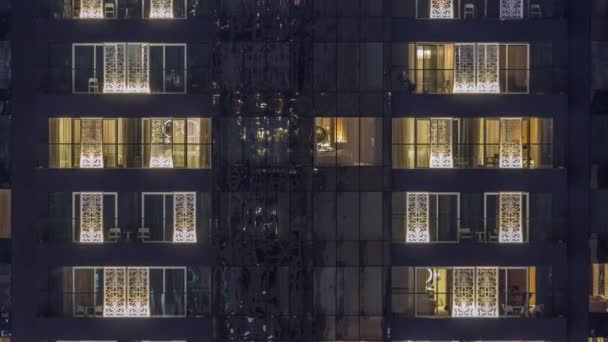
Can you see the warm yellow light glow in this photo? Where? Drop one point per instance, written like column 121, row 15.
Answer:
column 161, row 9
column 91, row 9
column 184, row 217
column 91, row 217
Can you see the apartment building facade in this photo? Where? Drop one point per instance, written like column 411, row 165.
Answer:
column 299, row 170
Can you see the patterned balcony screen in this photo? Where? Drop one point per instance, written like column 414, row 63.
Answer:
column 441, row 143
column 463, row 285
column 91, row 144
column 442, row 9
column 138, row 70
column 511, row 9
column 417, row 217
column 91, row 9
column 184, row 217
column 138, row 292
column 91, row 217
column 161, row 9
column 510, row 227
column 161, row 151
column 114, row 292
column 487, row 68
column 487, row 292
column 511, row 154
column 464, row 68
column 114, row 68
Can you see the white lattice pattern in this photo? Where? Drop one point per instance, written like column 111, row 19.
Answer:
column 91, row 9
column 161, row 151
column 510, row 227
column 417, row 217
column 442, row 9
column 511, row 154
column 464, row 69
column 138, row 292
column 441, row 143
column 91, row 143
column 91, row 217
column 114, row 73
column 138, row 71
column 184, row 217
column 463, row 285
column 487, row 292
column 487, row 68
column 511, row 9
column 114, row 292
column 161, row 9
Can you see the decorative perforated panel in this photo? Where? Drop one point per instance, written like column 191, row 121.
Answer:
column 463, row 285
column 511, row 9
column 91, row 9
column 510, row 227
column 464, row 69
column 114, row 292
column 184, row 217
column 417, row 217
column 91, row 139
column 487, row 292
column 138, row 289
column 161, row 151
column 487, row 68
column 91, row 217
column 511, row 154
column 138, row 73
column 161, row 9
column 441, row 143
column 114, row 71
column 442, row 9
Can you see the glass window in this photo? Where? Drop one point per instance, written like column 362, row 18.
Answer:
column 348, row 141
column 5, row 214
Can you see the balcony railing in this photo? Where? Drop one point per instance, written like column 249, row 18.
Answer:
column 117, row 9
column 91, row 81
column 130, row 156
column 58, row 230
column 451, row 229
column 509, row 81
column 471, row 156
column 480, row 10
column 190, row 303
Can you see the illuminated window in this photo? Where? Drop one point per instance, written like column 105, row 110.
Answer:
column 475, row 142
column 506, row 217
column 5, row 213
column 418, row 221
column 170, row 217
column 348, row 141
column 94, row 216
column 446, row 68
column 129, row 143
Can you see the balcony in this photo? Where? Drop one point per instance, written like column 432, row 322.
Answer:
column 455, row 10
column 128, row 292
column 118, row 9
column 94, row 218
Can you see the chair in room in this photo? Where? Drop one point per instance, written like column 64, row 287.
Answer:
column 109, row 10
column 93, row 85
column 465, row 233
column 113, row 234
column 143, row 234
column 469, row 11
column 536, row 11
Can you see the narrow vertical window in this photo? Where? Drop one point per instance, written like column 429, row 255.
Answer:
column 138, row 292
column 114, row 292
column 161, row 9
column 184, row 217
column 441, row 143
column 114, row 68
column 487, row 68
column 161, row 149
column 417, row 217
column 511, row 154
column 138, row 73
column 511, row 9
column 91, row 140
column 91, row 9
column 487, row 292
column 464, row 68
column 442, row 9
column 91, row 217
column 510, row 229
column 463, row 285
